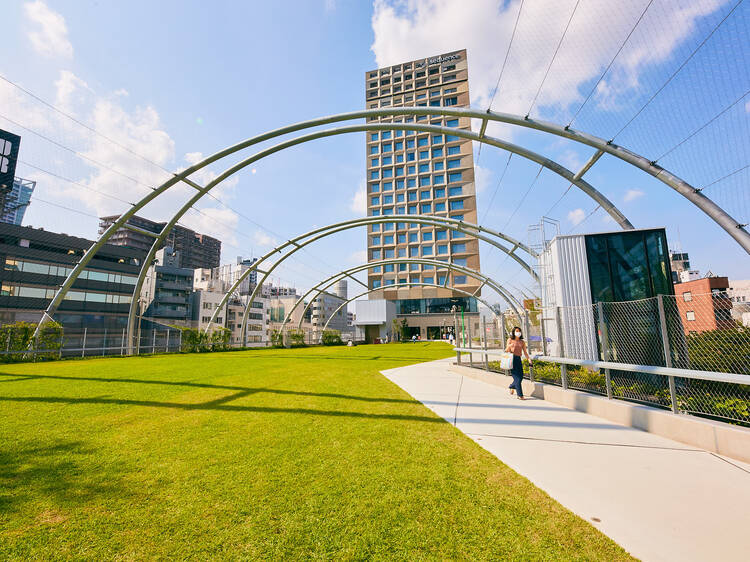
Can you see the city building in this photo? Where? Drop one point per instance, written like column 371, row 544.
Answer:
column 167, row 290
column 679, row 262
column 231, row 272
column 16, row 201
column 270, row 290
column 704, row 304
column 196, row 250
column 323, row 307
column 739, row 294
column 578, row 271
column 36, row 262
column 411, row 173
column 374, row 320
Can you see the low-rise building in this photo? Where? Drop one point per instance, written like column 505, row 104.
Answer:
column 704, row 305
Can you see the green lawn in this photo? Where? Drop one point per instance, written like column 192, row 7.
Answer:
column 301, row 453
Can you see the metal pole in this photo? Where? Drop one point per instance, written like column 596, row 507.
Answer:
column 122, row 343
column 62, row 341
column 564, row 375
column 484, row 334
column 83, row 347
column 153, row 340
column 169, row 335
column 605, row 345
column 179, row 342
column 104, row 343
column 542, row 331
column 471, row 355
column 667, row 352
column 560, row 333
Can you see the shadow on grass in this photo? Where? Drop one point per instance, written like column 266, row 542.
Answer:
column 244, row 390
column 53, row 474
column 219, row 405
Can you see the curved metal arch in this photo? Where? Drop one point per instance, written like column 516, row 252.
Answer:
column 183, row 176
column 452, row 288
column 323, row 285
column 729, row 224
column 299, row 242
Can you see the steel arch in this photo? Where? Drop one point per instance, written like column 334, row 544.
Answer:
column 729, row 224
column 452, row 288
column 321, row 286
column 298, row 244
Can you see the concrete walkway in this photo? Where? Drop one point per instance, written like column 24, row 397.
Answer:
column 657, row 498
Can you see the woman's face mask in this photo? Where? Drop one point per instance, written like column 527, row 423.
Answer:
column 518, row 334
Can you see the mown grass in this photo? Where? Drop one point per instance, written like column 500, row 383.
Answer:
column 304, row 453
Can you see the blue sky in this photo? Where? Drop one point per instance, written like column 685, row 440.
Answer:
column 174, row 80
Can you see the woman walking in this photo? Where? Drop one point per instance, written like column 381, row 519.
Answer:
column 517, row 346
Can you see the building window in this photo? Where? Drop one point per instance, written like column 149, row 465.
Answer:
column 387, row 200
column 413, row 237
column 426, row 208
column 388, row 239
column 455, row 176
column 459, row 248
column 453, row 191
column 460, row 261
column 375, row 254
column 389, row 254
column 423, row 141
column 374, row 187
column 424, row 181
column 374, row 174
column 427, row 236
column 426, row 250
column 428, row 280
column 439, row 207
column 442, row 248
column 454, row 150
column 374, row 149
column 375, row 201
column 687, row 296
column 459, row 279
column 387, row 161
column 690, row 315
column 457, row 205
column 451, row 163
column 375, row 283
column 376, row 241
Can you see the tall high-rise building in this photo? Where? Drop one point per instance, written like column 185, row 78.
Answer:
column 196, row 250
column 16, row 201
column 410, row 173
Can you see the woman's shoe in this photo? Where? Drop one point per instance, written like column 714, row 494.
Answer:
column 521, row 397
column 512, row 391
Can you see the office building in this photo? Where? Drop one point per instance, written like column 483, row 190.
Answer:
column 16, row 201
column 196, row 250
column 167, row 290
column 410, row 173
column 323, row 308
column 36, row 262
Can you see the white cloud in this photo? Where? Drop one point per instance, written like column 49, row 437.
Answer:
column 68, row 87
column 570, row 159
column 406, row 30
column 358, row 257
column 220, row 223
column 358, row 203
column 482, row 178
column 50, row 36
column 264, row 240
column 576, row 216
column 632, row 195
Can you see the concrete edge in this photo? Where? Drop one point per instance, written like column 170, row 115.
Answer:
column 717, row 437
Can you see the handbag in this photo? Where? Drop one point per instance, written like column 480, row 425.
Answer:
column 506, row 360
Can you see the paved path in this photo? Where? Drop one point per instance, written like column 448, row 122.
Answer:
column 659, row 499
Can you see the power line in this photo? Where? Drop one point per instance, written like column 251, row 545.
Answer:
column 676, row 72
column 706, row 124
column 575, row 226
column 560, row 199
column 611, row 62
column 497, row 187
column 565, row 31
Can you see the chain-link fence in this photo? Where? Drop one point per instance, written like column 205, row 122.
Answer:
column 707, row 332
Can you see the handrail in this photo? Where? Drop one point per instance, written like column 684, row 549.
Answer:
column 734, row 378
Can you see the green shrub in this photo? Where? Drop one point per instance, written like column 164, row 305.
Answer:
column 220, row 339
column 297, row 338
column 17, row 340
column 726, row 350
column 277, row 338
column 195, row 341
column 331, row 337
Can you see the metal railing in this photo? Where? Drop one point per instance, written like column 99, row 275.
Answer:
column 712, row 394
